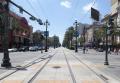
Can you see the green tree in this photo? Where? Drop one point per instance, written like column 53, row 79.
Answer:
column 69, row 34
column 37, row 37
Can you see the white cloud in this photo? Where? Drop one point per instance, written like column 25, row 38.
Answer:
column 88, row 7
column 66, row 4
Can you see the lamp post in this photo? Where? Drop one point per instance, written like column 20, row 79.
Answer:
column 106, row 47
column 76, row 34
column 54, row 42
column 6, row 60
column 46, row 35
column 84, row 40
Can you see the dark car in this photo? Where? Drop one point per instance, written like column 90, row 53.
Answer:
column 24, row 48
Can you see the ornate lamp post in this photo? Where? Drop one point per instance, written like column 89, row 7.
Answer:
column 46, row 35
column 84, row 40
column 76, row 34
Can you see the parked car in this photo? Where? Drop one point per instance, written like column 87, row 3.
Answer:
column 33, row 48
column 40, row 48
column 12, row 50
column 100, row 50
column 24, row 48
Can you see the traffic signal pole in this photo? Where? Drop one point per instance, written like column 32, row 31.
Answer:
column 6, row 60
column 108, row 29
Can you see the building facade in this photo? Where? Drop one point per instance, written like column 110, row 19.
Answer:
column 19, row 32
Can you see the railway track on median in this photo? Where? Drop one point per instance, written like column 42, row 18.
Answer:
column 16, row 69
column 70, row 69
column 100, row 76
column 41, row 68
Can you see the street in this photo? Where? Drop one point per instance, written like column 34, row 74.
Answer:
column 18, row 58
column 61, row 65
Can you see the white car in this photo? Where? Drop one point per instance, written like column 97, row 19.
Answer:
column 12, row 50
column 33, row 48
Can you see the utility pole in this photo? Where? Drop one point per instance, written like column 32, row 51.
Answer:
column 76, row 34
column 6, row 60
column 46, row 35
column 84, row 40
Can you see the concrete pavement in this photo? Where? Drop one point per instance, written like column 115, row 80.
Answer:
column 59, row 66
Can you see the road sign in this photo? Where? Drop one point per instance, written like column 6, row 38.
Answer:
column 76, row 34
column 46, row 33
column 95, row 14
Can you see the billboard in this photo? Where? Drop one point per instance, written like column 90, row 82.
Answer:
column 95, row 14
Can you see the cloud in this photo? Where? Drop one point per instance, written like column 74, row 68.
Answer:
column 66, row 4
column 88, row 7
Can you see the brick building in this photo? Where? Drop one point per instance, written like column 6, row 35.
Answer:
column 19, row 32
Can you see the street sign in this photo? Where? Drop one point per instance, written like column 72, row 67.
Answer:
column 76, row 34
column 46, row 33
column 95, row 14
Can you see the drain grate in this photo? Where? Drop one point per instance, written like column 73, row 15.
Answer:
column 56, row 67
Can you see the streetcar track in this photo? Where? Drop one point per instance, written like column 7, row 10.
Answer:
column 70, row 70
column 38, row 72
column 102, row 77
column 25, row 66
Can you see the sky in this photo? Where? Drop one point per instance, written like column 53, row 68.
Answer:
column 61, row 14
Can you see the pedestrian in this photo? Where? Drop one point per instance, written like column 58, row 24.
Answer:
column 116, row 51
column 109, row 52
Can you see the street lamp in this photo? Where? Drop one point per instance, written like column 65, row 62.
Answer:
column 84, row 40
column 76, row 34
column 6, row 60
column 46, row 35
column 108, row 32
column 54, row 42
column 106, row 46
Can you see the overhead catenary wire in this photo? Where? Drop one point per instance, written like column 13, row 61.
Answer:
column 29, row 3
column 42, row 9
column 94, row 1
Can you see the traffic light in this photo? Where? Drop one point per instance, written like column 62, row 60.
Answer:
column 111, row 22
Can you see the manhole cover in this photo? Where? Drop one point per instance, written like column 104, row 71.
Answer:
column 56, row 67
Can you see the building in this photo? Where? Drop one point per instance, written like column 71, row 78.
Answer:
column 19, row 32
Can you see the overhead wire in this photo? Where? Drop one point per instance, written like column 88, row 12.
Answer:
column 94, row 1
column 35, row 12
column 42, row 9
